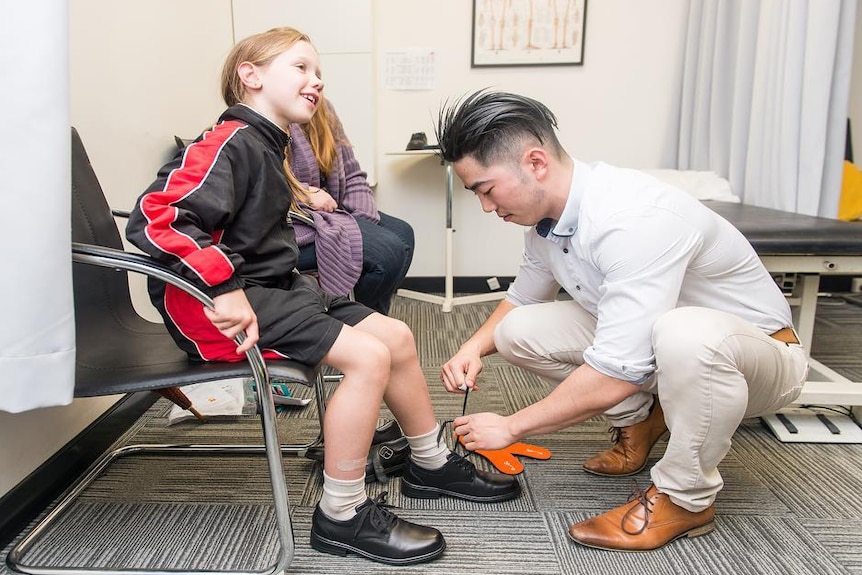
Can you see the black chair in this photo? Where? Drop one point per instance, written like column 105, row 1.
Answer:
column 119, row 352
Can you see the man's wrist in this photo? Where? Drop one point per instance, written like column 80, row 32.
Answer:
column 513, row 427
column 470, row 348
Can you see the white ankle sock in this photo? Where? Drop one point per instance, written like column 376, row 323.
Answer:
column 427, row 451
column 341, row 497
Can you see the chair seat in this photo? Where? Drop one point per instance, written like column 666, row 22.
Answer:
column 148, row 359
column 127, row 353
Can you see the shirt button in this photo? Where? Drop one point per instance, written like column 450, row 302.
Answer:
column 578, row 288
column 565, row 250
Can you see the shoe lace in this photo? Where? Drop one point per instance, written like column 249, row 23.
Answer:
column 458, row 445
column 641, row 496
column 447, row 422
column 462, row 463
column 377, row 515
column 618, row 435
column 443, row 425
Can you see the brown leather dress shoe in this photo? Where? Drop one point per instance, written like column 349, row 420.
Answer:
column 631, row 448
column 648, row 521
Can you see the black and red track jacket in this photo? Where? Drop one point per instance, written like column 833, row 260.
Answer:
column 217, row 213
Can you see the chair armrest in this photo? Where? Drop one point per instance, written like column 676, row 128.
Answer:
column 143, row 264
column 119, row 259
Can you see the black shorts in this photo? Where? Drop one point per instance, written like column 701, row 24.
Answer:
column 302, row 322
column 298, row 321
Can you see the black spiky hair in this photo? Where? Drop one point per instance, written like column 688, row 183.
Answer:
column 491, row 126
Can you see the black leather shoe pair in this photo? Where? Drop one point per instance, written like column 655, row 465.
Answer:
column 377, row 534
column 458, row 478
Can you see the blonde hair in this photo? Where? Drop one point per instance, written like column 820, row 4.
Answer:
column 325, row 134
column 260, row 50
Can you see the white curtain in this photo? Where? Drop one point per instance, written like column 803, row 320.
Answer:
column 765, row 97
column 37, row 338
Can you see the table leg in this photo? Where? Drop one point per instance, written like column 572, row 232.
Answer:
column 448, row 301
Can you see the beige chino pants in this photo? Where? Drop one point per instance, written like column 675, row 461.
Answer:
column 713, row 370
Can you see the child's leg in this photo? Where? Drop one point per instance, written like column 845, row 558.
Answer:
column 353, row 409
column 351, row 417
column 433, row 469
column 408, row 396
column 310, row 326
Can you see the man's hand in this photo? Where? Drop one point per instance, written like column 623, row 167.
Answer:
column 320, row 200
column 484, row 431
column 461, row 371
column 232, row 315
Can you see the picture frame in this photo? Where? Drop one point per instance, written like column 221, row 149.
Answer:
column 528, row 33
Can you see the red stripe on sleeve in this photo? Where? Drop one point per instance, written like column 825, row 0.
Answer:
column 208, row 262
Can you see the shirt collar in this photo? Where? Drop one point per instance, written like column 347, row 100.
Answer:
column 567, row 225
column 271, row 131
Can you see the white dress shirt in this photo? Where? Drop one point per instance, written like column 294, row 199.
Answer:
column 629, row 248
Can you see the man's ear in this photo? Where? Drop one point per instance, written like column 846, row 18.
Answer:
column 537, row 162
column 248, row 75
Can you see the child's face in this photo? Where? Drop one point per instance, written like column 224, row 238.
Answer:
column 290, row 86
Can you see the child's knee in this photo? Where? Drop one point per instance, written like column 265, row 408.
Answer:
column 400, row 339
column 370, row 360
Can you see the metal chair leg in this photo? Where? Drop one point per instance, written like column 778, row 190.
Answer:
column 271, row 448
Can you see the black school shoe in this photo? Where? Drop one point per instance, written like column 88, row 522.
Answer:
column 458, row 478
column 377, row 534
column 386, row 458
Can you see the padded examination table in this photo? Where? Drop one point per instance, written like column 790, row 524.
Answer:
column 798, row 249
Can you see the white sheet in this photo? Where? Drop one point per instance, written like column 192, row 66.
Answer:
column 702, row 185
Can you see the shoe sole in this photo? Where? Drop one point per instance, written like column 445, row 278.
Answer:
column 627, row 474
column 325, row 545
column 424, row 492
column 696, row 532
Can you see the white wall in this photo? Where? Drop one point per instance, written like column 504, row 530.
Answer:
column 31, row 437
column 141, row 72
column 134, row 86
column 620, row 107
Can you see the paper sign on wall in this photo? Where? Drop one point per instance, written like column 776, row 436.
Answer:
column 413, row 69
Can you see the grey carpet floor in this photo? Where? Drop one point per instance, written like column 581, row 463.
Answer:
column 785, row 508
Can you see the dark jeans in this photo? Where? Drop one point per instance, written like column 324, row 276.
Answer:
column 387, row 250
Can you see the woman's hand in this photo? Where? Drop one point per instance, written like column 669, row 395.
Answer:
column 319, row 200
